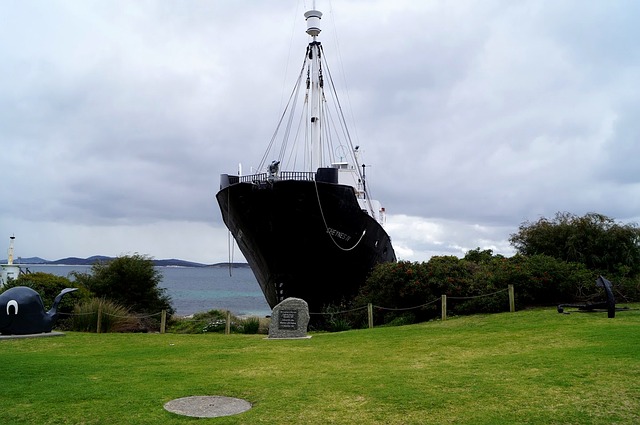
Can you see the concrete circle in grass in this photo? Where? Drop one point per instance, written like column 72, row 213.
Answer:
column 207, row 406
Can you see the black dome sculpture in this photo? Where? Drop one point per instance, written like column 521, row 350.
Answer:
column 22, row 311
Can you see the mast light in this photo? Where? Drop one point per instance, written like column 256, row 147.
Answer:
column 313, row 22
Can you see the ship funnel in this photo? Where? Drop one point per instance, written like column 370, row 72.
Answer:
column 313, row 22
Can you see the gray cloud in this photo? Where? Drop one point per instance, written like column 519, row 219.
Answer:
column 116, row 118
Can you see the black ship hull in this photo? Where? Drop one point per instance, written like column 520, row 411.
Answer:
column 303, row 238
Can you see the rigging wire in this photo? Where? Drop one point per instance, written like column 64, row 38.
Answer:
column 344, row 74
column 229, row 236
column 367, row 192
column 287, row 132
column 291, row 38
column 293, row 154
column 324, row 220
column 282, row 117
column 348, row 136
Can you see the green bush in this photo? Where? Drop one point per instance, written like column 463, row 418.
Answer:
column 416, row 287
column 595, row 240
column 215, row 326
column 558, row 262
column 131, row 281
column 250, row 325
column 402, row 285
column 113, row 317
column 339, row 324
column 479, row 282
column 544, row 280
column 339, row 317
column 627, row 289
column 207, row 322
column 401, row 320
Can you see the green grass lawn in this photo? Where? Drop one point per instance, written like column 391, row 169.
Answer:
column 529, row 367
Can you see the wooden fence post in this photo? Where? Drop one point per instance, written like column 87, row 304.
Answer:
column 370, row 314
column 163, row 321
column 512, row 299
column 227, row 327
column 444, row 307
column 99, row 323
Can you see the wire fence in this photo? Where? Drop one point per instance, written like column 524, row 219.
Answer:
column 407, row 308
column 130, row 316
column 480, row 296
column 103, row 316
column 509, row 289
column 443, row 302
column 369, row 307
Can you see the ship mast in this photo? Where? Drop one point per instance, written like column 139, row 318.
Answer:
column 313, row 29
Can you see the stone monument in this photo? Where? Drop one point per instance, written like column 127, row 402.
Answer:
column 290, row 319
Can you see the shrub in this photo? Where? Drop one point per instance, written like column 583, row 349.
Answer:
column 595, row 240
column 339, row 317
column 402, row 319
column 113, row 317
column 130, row 280
column 207, row 322
column 404, row 285
column 627, row 289
column 250, row 325
column 217, row 326
column 338, row 324
column 479, row 281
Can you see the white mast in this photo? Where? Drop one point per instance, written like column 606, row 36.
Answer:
column 313, row 29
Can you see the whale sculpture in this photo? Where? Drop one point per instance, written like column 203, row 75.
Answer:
column 22, row 311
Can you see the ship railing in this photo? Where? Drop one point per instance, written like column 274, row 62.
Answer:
column 266, row 177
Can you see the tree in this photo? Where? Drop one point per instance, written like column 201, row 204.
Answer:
column 594, row 240
column 477, row 283
column 481, row 256
column 130, row 280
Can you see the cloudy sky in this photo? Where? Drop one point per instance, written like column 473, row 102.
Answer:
column 117, row 117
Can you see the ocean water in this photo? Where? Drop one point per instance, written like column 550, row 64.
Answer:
column 197, row 289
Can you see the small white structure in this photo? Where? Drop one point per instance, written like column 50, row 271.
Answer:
column 10, row 271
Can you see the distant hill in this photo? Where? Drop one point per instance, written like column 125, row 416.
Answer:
column 177, row 263
column 76, row 261
column 233, row 265
column 30, row 260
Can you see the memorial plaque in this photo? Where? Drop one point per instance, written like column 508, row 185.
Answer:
column 288, row 319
